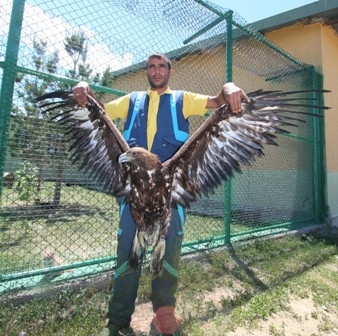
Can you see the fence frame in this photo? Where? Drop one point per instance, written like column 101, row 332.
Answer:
column 10, row 68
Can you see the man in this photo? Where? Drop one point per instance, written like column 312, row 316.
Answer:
column 157, row 120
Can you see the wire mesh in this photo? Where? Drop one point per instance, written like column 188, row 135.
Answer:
column 57, row 223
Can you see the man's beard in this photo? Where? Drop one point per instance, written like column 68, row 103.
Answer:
column 160, row 85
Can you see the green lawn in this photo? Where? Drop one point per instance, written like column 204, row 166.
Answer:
column 84, row 227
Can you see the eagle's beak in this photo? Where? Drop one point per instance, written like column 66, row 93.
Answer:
column 123, row 158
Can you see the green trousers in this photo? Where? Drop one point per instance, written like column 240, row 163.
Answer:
column 126, row 280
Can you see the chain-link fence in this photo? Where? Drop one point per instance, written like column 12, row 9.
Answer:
column 57, row 223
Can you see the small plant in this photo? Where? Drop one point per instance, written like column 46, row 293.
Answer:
column 26, row 181
column 273, row 331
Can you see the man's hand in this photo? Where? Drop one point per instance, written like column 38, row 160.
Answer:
column 234, row 95
column 230, row 94
column 80, row 91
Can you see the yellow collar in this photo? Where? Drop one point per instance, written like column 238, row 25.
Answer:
column 152, row 92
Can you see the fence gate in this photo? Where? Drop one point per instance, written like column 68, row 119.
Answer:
column 58, row 224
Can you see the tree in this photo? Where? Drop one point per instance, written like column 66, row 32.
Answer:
column 76, row 46
column 107, row 79
column 32, row 139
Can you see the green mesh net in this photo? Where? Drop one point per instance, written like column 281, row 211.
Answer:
column 57, row 223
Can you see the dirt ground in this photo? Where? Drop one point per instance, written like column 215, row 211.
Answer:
column 304, row 319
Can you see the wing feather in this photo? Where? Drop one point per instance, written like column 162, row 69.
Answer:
column 95, row 141
column 227, row 141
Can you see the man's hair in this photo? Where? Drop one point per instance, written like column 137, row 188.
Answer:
column 158, row 56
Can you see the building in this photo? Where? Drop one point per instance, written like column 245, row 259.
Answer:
column 310, row 33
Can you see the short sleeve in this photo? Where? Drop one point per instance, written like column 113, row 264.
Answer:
column 118, row 108
column 194, row 104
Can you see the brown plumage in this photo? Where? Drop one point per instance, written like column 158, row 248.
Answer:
column 150, row 200
column 218, row 149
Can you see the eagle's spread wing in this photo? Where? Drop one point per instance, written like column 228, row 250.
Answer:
column 226, row 141
column 95, row 141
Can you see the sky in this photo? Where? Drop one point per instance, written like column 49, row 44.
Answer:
column 45, row 27
column 254, row 10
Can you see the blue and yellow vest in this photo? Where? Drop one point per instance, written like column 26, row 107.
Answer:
column 172, row 127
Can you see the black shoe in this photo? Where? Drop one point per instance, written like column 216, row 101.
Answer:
column 115, row 330
column 127, row 332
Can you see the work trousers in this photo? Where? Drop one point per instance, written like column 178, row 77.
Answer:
column 126, row 280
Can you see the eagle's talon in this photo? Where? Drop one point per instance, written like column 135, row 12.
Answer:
column 141, row 238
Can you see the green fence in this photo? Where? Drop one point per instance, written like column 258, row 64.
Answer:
column 58, row 224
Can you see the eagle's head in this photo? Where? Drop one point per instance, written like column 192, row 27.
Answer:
column 141, row 157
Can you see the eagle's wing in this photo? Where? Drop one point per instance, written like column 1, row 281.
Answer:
column 95, row 141
column 226, row 141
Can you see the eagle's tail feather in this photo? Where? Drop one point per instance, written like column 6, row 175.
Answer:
column 136, row 253
column 157, row 258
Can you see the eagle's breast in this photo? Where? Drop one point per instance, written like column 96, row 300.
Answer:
column 150, row 185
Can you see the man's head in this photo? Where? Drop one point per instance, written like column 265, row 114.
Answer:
column 159, row 70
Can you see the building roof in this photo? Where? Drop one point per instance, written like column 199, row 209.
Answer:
column 319, row 11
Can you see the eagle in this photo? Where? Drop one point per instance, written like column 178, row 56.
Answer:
column 219, row 148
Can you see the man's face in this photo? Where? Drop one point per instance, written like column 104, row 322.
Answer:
column 158, row 73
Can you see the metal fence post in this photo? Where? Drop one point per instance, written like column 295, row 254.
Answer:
column 227, row 185
column 8, row 79
column 319, row 177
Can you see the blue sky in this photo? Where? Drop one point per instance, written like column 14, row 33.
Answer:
column 254, row 10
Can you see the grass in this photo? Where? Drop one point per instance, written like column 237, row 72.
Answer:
column 83, row 227
column 253, row 287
